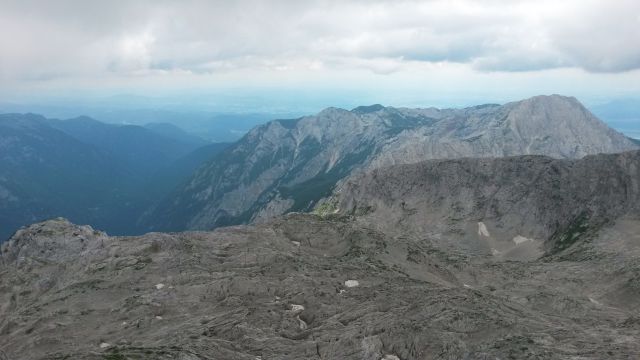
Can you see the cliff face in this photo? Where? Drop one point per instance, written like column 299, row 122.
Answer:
column 288, row 165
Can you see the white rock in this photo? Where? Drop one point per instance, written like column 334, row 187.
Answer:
column 520, row 239
column 351, row 283
column 158, row 317
column 296, row 243
column 482, row 229
column 302, row 323
column 467, row 286
column 297, row 308
column 159, row 286
column 390, row 357
column 104, row 345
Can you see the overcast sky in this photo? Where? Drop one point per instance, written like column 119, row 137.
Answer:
column 404, row 52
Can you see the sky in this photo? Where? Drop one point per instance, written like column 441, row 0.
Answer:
column 295, row 55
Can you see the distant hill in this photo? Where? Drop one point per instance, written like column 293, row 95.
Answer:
column 100, row 174
column 174, row 132
column 226, row 127
column 142, row 151
column 45, row 171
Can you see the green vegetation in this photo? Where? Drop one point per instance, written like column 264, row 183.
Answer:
column 307, row 193
column 563, row 239
column 326, row 208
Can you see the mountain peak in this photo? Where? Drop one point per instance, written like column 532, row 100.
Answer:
column 367, row 109
column 54, row 240
column 553, row 100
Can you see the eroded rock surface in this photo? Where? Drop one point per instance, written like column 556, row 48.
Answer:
column 281, row 290
column 517, row 208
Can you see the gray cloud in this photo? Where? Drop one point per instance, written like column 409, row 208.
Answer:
column 82, row 38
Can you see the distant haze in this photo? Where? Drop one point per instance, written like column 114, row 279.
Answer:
column 296, row 57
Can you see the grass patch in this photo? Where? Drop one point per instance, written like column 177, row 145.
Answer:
column 564, row 239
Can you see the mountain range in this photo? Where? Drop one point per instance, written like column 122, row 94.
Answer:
column 378, row 233
column 88, row 171
column 289, row 165
column 129, row 179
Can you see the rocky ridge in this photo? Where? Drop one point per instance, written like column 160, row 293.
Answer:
column 510, row 207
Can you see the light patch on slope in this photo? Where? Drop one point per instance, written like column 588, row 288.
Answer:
column 482, row 229
column 333, row 160
column 351, row 283
column 519, row 239
column 303, row 325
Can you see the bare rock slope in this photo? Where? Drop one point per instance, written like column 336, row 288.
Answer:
column 508, row 207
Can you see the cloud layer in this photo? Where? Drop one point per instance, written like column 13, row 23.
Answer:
column 43, row 40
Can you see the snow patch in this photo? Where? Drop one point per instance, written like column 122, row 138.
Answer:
column 302, row 323
column 351, row 283
column 595, row 301
column 159, row 286
column 482, row 229
column 104, row 345
column 519, row 239
column 390, row 357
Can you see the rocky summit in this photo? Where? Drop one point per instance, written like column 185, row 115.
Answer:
column 525, row 257
column 289, row 165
